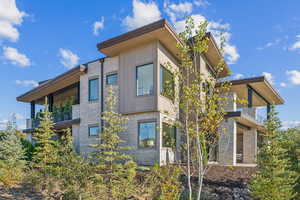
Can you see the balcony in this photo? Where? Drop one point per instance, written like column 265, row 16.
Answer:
column 61, row 119
column 251, row 114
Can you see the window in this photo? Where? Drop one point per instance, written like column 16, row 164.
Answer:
column 93, row 130
column 147, row 134
column 93, row 89
column 166, row 83
column 169, row 135
column 144, row 80
column 112, row 79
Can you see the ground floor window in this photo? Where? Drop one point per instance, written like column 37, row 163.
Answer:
column 169, row 135
column 147, row 134
column 93, row 130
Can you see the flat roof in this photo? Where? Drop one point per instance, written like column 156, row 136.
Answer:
column 261, row 85
column 53, row 85
column 162, row 31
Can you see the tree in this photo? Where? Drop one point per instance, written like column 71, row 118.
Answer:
column 291, row 142
column 12, row 162
column 274, row 179
column 76, row 175
column 114, row 166
column 202, row 101
column 45, row 158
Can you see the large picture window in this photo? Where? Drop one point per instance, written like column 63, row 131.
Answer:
column 144, row 80
column 169, row 135
column 166, row 83
column 147, row 134
column 94, row 89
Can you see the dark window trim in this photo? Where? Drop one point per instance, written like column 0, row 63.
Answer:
column 136, row 79
column 89, row 88
column 93, row 126
column 175, row 134
column 138, row 135
column 111, row 74
column 160, row 81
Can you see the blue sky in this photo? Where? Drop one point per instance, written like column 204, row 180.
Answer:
column 41, row 39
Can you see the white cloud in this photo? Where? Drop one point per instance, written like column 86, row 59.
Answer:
column 294, row 76
column 180, row 10
column 269, row 77
column 15, row 57
column 296, row 45
column 68, row 58
column 219, row 31
column 142, row 14
column 283, row 84
column 10, row 16
column 3, row 124
column 201, row 3
column 26, row 83
column 290, row 124
column 238, row 76
column 269, row 44
column 98, row 25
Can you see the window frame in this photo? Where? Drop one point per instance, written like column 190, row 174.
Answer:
column 175, row 134
column 161, row 82
column 139, row 133
column 136, row 79
column 89, row 89
column 93, row 126
column 109, row 75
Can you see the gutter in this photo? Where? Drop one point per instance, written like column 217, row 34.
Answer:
column 102, row 92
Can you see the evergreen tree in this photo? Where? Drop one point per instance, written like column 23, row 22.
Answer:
column 114, row 166
column 45, row 158
column 12, row 163
column 76, row 176
column 274, row 179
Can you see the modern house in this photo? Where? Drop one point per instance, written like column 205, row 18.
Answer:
column 135, row 66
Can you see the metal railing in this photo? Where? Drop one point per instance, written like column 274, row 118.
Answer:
column 57, row 117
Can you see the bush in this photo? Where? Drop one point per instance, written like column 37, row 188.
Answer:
column 12, row 163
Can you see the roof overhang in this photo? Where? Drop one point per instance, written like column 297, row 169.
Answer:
column 264, row 93
column 214, row 56
column 163, row 32
column 160, row 30
column 70, row 77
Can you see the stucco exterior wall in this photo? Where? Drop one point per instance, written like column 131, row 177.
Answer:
column 129, row 60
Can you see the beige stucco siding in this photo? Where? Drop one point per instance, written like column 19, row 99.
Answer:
column 129, row 60
column 164, row 104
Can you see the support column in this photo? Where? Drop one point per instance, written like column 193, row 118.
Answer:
column 250, row 97
column 250, row 146
column 227, row 142
column 32, row 109
column 50, row 102
column 268, row 111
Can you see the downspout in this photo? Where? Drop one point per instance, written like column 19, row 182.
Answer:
column 102, row 92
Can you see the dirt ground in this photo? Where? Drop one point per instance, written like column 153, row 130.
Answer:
column 20, row 192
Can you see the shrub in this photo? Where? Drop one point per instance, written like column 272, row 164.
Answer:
column 12, row 163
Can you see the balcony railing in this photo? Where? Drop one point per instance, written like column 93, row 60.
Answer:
column 56, row 117
column 251, row 113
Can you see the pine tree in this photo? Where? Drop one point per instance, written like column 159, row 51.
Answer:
column 75, row 173
column 45, row 158
column 274, row 179
column 115, row 167
column 12, row 163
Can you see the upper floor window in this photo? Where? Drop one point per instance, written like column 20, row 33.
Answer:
column 112, row 79
column 169, row 135
column 147, row 134
column 94, row 89
column 166, row 83
column 144, row 80
column 94, row 130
